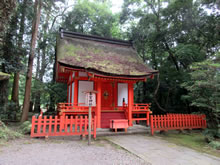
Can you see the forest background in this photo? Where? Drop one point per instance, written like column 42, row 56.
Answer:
column 180, row 38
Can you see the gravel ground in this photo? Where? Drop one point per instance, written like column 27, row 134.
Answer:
column 54, row 151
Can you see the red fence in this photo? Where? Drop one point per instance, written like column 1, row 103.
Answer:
column 177, row 121
column 61, row 126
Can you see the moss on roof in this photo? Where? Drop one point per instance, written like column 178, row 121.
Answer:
column 100, row 56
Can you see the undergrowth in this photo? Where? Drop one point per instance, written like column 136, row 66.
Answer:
column 25, row 127
column 7, row 134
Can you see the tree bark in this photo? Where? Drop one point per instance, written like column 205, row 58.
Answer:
column 52, row 96
column 36, row 94
column 155, row 94
column 3, row 94
column 171, row 55
column 43, row 60
column 15, row 89
column 35, row 25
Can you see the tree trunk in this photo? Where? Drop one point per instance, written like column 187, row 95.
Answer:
column 15, row 89
column 36, row 94
column 43, row 61
column 3, row 94
column 35, row 25
column 155, row 94
column 52, row 96
column 7, row 50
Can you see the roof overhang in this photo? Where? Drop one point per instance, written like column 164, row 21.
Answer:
column 63, row 72
column 99, row 56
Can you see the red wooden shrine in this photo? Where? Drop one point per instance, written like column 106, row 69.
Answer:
column 110, row 67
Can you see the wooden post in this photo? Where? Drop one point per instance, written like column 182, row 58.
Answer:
column 90, row 101
column 152, row 124
column 76, row 85
column 90, row 116
column 67, row 92
column 33, row 126
column 94, row 128
column 130, row 102
column 71, row 86
column 116, row 94
column 99, row 98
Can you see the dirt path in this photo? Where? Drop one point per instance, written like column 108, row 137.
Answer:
column 160, row 152
column 64, row 151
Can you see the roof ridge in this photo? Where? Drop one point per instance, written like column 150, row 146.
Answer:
column 64, row 33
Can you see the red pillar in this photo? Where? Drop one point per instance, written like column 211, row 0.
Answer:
column 116, row 94
column 76, row 85
column 71, row 86
column 98, row 106
column 67, row 93
column 130, row 102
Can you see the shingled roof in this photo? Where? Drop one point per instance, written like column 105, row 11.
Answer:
column 102, row 55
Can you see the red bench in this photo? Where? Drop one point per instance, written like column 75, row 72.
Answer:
column 119, row 123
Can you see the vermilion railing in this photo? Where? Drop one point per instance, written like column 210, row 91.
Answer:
column 71, row 107
column 140, row 108
column 176, row 121
column 61, row 126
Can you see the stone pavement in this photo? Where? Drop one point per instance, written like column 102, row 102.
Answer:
column 135, row 129
column 156, row 151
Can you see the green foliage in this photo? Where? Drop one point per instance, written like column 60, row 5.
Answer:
column 170, row 36
column 188, row 53
column 215, row 145
column 92, row 18
column 25, row 127
column 6, row 133
column 211, row 134
column 7, row 8
column 204, row 89
column 11, row 113
column 56, row 90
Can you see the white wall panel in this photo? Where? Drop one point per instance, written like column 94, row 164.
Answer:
column 122, row 93
column 84, row 86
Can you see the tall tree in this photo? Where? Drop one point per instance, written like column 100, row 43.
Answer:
column 36, row 20
column 7, row 7
column 163, row 35
column 42, row 53
column 7, row 58
column 95, row 18
column 204, row 89
column 15, row 88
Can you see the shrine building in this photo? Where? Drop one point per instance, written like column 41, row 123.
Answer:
column 108, row 66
